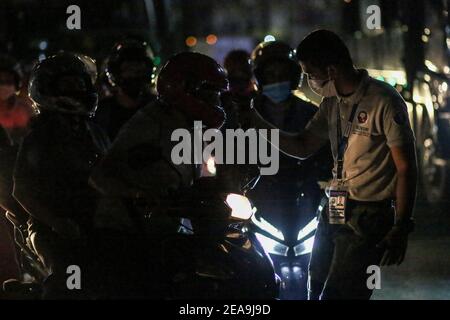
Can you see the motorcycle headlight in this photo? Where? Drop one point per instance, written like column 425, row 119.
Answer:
column 272, row 246
column 240, row 206
column 208, row 168
column 310, row 227
column 305, row 247
column 266, row 226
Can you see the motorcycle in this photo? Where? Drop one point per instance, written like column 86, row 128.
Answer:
column 211, row 257
column 290, row 249
column 286, row 226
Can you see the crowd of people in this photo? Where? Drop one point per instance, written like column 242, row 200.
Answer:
column 74, row 168
column 72, row 165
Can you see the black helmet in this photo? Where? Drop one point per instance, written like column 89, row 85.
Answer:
column 275, row 51
column 130, row 51
column 65, row 83
column 10, row 65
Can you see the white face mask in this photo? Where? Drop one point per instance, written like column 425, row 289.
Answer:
column 324, row 88
column 6, row 91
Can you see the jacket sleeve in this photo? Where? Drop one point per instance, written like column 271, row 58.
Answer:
column 135, row 164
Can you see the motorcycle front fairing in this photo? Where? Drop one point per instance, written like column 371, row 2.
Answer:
column 232, row 266
column 289, row 238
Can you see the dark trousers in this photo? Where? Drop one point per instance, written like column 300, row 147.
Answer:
column 342, row 253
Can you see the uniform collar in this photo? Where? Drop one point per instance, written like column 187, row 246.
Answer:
column 359, row 93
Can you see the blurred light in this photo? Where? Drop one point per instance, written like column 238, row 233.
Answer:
column 272, row 246
column 43, row 45
column 407, row 95
column 425, row 38
column 269, row 38
column 394, row 75
column 431, row 66
column 444, row 86
column 410, row 107
column 392, row 82
column 347, row 1
column 447, row 69
column 157, row 61
column 427, row 31
column 211, row 39
column 41, row 57
column 310, row 227
column 191, row 41
column 427, row 78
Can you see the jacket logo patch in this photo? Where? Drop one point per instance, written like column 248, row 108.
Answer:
column 363, row 117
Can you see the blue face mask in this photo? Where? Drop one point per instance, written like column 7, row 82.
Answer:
column 277, row 92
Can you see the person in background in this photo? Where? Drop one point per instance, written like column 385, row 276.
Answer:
column 15, row 114
column 130, row 70
column 242, row 89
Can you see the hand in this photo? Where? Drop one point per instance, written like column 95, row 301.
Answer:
column 395, row 243
column 66, row 228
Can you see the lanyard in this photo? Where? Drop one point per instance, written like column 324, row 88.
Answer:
column 342, row 140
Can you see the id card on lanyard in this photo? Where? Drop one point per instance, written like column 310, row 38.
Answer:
column 339, row 193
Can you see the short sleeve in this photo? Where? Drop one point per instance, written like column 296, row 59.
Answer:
column 396, row 125
column 318, row 125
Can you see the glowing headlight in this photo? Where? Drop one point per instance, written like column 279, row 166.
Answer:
column 305, row 247
column 241, row 207
column 272, row 246
column 211, row 166
column 208, row 168
column 266, row 226
column 310, row 227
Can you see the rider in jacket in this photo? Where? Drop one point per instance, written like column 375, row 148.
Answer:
column 54, row 164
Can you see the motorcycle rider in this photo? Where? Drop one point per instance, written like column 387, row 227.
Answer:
column 277, row 75
column 54, row 163
column 130, row 70
column 139, row 163
column 15, row 114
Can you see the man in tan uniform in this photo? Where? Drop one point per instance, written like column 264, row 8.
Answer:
column 372, row 195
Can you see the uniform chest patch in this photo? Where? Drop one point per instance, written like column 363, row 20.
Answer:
column 363, row 117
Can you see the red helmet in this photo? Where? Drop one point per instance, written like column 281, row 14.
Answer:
column 181, row 80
